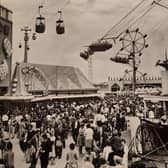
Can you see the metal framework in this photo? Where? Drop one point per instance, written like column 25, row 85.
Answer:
column 133, row 42
column 149, row 139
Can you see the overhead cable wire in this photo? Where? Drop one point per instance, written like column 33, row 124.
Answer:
column 160, row 4
column 152, row 5
column 134, row 19
column 141, row 16
column 31, row 23
column 156, row 28
column 126, row 24
column 59, row 9
column 139, row 4
column 43, row 2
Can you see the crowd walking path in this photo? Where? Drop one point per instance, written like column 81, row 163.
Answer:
column 59, row 163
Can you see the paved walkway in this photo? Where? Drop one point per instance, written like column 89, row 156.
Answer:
column 20, row 161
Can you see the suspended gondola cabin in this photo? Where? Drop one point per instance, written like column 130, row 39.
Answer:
column 60, row 28
column 40, row 24
column 100, row 46
column 84, row 55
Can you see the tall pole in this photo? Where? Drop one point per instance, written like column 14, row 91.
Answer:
column 26, row 31
column 90, row 69
column 134, row 68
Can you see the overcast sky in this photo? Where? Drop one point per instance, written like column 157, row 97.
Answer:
column 85, row 22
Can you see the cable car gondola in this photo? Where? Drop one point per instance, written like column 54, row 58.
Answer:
column 40, row 23
column 100, row 46
column 119, row 59
column 60, row 28
column 84, row 55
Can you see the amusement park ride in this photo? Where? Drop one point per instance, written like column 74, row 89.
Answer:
column 133, row 42
column 163, row 63
column 40, row 26
column 151, row 136
column 28, row 71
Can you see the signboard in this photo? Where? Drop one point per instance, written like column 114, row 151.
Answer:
column 5, row 47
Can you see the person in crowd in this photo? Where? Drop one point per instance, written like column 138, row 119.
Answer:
column 123, row 121
column 5, row 119
column 87, row 163
column 125, row 155
column 88, row 137
column 11, row 124
column 103, row 163
column 151, row 115
column 72, row 157
column 58, row 147
column 107, row 150
column 81, row 138
column 90, row 123
column 9, row 156
column 30, row 140
column 75, row 129
column 33, row 157
column 52, row 153
column 118, row 122
column 45, row 148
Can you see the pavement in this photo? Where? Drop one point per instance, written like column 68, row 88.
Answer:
column 60, row 163
column 21, row 163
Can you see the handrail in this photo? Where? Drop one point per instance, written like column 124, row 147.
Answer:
column 152, row 159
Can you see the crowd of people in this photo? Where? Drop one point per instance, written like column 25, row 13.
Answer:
column 95, row 126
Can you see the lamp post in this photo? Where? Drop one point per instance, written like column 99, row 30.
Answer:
column 26, row 31
column 26, row 70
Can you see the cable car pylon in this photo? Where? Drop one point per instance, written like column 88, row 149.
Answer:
column 90, row 69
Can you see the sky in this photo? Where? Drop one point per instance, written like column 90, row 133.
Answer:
column 85, row 22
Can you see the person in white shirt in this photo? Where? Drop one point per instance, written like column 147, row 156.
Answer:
column 97, row 118
column 5, row 119
column 107, row 149
column 88, row 137
column 151, row 115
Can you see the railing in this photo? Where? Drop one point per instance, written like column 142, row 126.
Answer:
column 164, row 162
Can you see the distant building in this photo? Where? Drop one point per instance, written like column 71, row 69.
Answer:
column 102, row 86
column 120, row 84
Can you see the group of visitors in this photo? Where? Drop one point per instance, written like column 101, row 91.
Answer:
column 95, row 127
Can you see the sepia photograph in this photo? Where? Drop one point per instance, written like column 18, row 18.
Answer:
column 83, row 84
